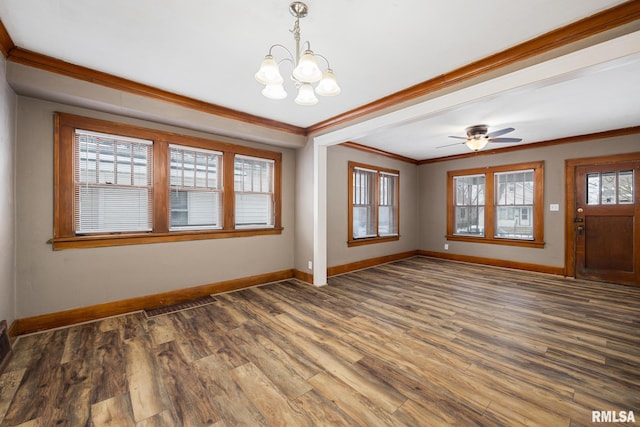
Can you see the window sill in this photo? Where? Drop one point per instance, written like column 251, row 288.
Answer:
column 496, row 241
column 371, row 240
column 99, row 241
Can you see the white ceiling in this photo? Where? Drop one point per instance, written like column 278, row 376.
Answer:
column 209, row 50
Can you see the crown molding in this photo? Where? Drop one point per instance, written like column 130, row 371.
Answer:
column 6, row 43
column 593, row 25
column 567, row 140
column 47, row 63
column 367, row 149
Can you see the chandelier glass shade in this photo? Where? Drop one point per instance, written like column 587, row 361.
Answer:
column 305, row 69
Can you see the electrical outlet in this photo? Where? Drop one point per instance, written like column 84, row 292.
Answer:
column 446, row 246
column 310, row 265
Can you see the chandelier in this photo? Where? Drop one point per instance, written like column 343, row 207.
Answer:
column 305, row 68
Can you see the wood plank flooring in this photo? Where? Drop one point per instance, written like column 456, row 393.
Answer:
column 419, row 342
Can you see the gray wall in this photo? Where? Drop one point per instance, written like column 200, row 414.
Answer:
column 7, row 205
column 338, row 252
column 49, row 281
column 432, row 198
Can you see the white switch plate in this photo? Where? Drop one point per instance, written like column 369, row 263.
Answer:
column 446, row 246
column 310, row 265
column 554, row 207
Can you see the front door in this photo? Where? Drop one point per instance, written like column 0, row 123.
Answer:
column 606, row 222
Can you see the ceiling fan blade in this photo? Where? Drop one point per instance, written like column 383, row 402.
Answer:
column 451, row 145
column 458, row 137
column 505, row 139
column 500, row 132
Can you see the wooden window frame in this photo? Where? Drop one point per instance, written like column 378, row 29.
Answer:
column 64, row 236
column 378, row 239
column 490, row 205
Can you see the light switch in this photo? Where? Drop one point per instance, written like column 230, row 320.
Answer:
column 554, row 207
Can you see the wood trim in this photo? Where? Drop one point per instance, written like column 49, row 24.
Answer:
column 370, row 240
column 6, row 43
column 85, row 314
column 160, row 176
column 64, row 234
column 366, row 149
column 359, row 265
column 229, row 200
column 47, row 63
column 489, row 207
column 303, row 276
column 103, row 241
column 567, row 140
column 495, row 241
column 570, row 185
column 538, row 268
column 606, row 20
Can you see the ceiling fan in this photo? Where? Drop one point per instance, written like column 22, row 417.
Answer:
column 478, row 136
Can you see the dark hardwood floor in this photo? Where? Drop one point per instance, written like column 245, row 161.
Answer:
column 419, row 342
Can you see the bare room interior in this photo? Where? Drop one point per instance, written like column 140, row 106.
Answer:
column 275, row 213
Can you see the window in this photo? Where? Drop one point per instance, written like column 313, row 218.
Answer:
column 514, row 204
column 373, row 204
column 469, row 205
column 253, row 184
column 502, row 205
column 195, row 191
column 610, row 188
column 112, row 183
column 118, row 184
column 387, row 204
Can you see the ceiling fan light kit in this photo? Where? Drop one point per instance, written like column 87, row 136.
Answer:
column 305, row 68
column 478, row 136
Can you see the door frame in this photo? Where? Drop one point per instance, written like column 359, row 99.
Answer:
column 570, row 199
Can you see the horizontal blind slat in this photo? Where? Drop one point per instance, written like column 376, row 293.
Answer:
column 113, row 183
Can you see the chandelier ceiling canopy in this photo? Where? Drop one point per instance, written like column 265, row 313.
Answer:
column 305, row 72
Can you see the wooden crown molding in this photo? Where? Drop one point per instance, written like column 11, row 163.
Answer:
column 6, row 43
column 568, row 140
column 47, row 63
column 367, row 149
column 595, row 24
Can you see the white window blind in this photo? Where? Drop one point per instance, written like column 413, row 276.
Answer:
column 113, row 183
column 254, row 192
column 195, row 188
column 364, row 203
column 388, row 204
